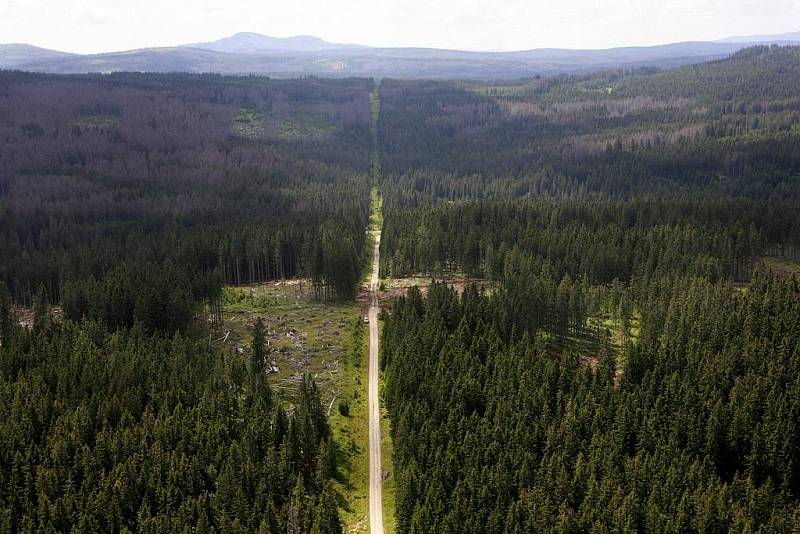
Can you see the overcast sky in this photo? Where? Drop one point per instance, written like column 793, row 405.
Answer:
column 105, row 25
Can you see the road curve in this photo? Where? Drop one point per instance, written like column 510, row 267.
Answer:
column 375, row 469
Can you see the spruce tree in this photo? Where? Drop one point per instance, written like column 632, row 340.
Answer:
column 259, row 352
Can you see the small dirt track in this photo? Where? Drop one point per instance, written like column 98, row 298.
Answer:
column 375, row 468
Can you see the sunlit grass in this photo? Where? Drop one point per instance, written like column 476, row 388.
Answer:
column 308, row 336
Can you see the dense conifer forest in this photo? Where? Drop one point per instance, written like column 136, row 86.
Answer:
column 129, row 201
column 120, row 431
column 632, row 364
column 628, row 360
column 119, row 187
column 695, row 430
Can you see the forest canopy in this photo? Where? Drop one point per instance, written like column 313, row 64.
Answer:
column 129, row 201
column 623, row 353
column 632, row 361
column 108, row 181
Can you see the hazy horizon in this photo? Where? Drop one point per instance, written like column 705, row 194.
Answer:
column 92, row 26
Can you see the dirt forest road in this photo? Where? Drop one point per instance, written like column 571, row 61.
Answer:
column 375, row 468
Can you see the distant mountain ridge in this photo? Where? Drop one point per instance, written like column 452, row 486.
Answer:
column 14, row 54
column 792, row 37
column 303, row 55
column 255, row 43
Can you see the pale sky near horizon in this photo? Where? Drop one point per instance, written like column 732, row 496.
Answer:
column 88, row 26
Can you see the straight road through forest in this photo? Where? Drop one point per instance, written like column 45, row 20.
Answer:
column 375, row 469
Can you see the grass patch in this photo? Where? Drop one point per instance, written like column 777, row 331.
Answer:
column 376, row 213
column 96, row 122
column 404, row 283
column 307, row 121
column 304, row 336
column 375, row 224
column 600, row 331
column 308, row 336
column 352, row 435
column 249, row 123
column 387, row 448
column 619, row 336
column 304, row 122
column 781, row 266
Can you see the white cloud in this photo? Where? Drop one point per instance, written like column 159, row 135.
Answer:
column 98, row 25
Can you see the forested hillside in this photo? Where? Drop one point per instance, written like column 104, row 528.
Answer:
column 623, row 157
column 634, row 365
column 129, row 201
column 119, row 431
column 629, row 359
column 728, row 127
column 698, row 432
column 118, row 187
